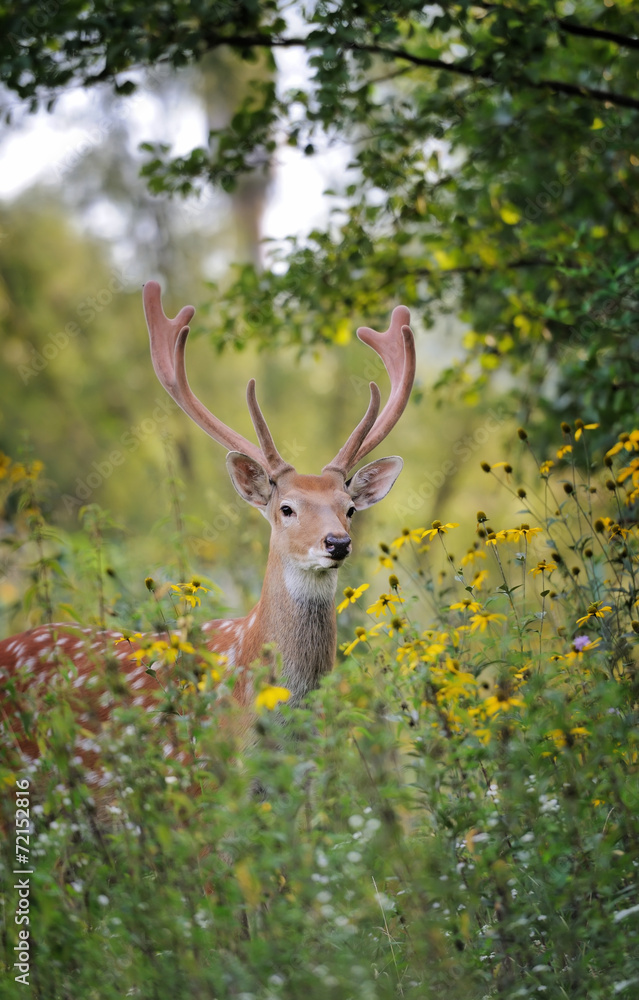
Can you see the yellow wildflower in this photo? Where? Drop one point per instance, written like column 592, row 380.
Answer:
column 494, row 704
column 595, row 610
column 164, row 651
column 479, row 579
column 439, row 529
column 523, row 531
column 484, row 618
column 189, row 592
column 545, row 467
column 616, row 530
column 466, row 605
column 433, row 651
column 209, row 676
column 543, row 567
column 384, row 603
column 483, row 735
column 584, row 427
column 385, row 562
column 408, row 535
column 471, row 556
column 409, row 655
column 26, row 470
column 561, row 738
column 351, row 596
column 581, row 646
column 603, row 522
column 396, row 625
column 564, row 450
column 627, row 442
column 455, row 683
column 271, row 696
column 361, row 635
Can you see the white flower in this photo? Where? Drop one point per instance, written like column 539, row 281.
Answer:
column 548, row 804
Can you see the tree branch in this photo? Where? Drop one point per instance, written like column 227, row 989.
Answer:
column 573, row 27
column 260, row 40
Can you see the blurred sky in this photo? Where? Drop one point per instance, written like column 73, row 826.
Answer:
column 45, row 144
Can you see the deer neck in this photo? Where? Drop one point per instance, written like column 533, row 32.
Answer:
column 296, row 613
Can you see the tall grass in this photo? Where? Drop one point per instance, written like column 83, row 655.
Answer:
column 455, row 814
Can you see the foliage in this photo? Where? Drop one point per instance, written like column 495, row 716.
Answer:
column 455, row 812
column 492, row 165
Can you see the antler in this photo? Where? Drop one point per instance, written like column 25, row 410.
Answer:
column 168, row 342
column 396, row 348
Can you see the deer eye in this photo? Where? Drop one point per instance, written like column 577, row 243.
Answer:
column 286, row 510
column 350, row 511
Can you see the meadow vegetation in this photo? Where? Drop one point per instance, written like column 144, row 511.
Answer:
column 454, row 813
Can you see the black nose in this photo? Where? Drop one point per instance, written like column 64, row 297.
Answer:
column 337, row 546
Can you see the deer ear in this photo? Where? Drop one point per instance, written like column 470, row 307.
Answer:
column 372, row 482
column 249, row 479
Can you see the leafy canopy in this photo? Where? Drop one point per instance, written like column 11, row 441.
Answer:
column 492, row 166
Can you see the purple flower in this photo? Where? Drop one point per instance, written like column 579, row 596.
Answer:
column 580, row 642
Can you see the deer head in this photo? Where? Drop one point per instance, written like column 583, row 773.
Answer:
column 310, row 516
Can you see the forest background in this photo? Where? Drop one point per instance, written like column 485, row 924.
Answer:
column 455, row 811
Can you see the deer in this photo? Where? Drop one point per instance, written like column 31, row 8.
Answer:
column 310, row 518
